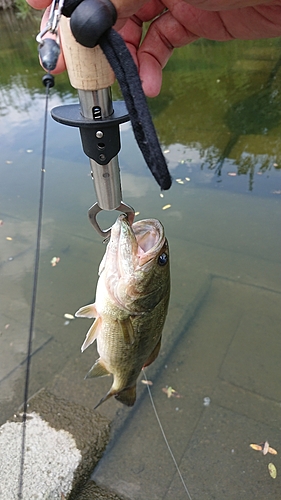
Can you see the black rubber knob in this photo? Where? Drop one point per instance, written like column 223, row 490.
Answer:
column 49, row 52
column 90, row 19
column 48, row 80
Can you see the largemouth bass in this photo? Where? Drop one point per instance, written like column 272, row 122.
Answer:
column 131, row 304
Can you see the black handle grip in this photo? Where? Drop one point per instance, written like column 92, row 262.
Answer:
column 89, row 19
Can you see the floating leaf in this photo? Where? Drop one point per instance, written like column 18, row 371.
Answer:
column 171, row 392
column 272, row 451
column 272, row 470
column 55, row 261
column 256, row 447
column 264, row 448
column 68, row 316
column 147, row 382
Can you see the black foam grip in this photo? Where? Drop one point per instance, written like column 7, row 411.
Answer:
column 90, row 19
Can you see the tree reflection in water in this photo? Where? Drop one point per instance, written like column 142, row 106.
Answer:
column 257, row 114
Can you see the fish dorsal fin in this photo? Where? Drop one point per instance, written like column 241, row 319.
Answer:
column 127, row 396
column 153, row 355
column 92, row 334
column 97, row 370
column 126, row 326
column 88, row 311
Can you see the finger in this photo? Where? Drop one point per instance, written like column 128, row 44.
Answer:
column 246, row 23
column 147, row 12
column 132, row 33
column 126, row 8
column 184, row 24
column 39, row 4
column 220, row 5
column 164, row 34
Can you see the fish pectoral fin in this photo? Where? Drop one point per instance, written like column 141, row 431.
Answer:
column 97, row 370
column 127, row 329
column 153, row 355
column 127, row 396
column 92, row 334
column 88, row 311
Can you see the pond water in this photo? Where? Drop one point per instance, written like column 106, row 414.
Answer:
column 218, row 118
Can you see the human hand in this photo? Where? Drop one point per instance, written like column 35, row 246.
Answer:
column 186, row 21
column 176, row 23
column 124, row 9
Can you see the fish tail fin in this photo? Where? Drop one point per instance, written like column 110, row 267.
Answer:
column 105, row 398
column 127, row 396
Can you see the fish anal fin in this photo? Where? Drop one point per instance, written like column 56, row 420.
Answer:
column 92, row 334
column 127, row 396
column 88, row 311
column 126, row 326
column 153, row 355
column 97, row 370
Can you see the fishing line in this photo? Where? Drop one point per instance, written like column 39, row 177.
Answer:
column 48, row 81
column 165, row 437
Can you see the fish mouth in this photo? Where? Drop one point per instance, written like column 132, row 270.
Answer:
column 149, row 234
column 131, row 259
column 141, row 242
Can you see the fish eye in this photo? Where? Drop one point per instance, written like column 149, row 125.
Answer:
column 163, row 259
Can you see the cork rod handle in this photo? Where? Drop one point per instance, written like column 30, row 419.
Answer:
column 88, row 68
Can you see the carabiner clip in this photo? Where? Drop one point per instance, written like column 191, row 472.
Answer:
column 53, row 21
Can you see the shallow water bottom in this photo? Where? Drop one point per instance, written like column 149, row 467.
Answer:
column 210, row 441
column 220, row 341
